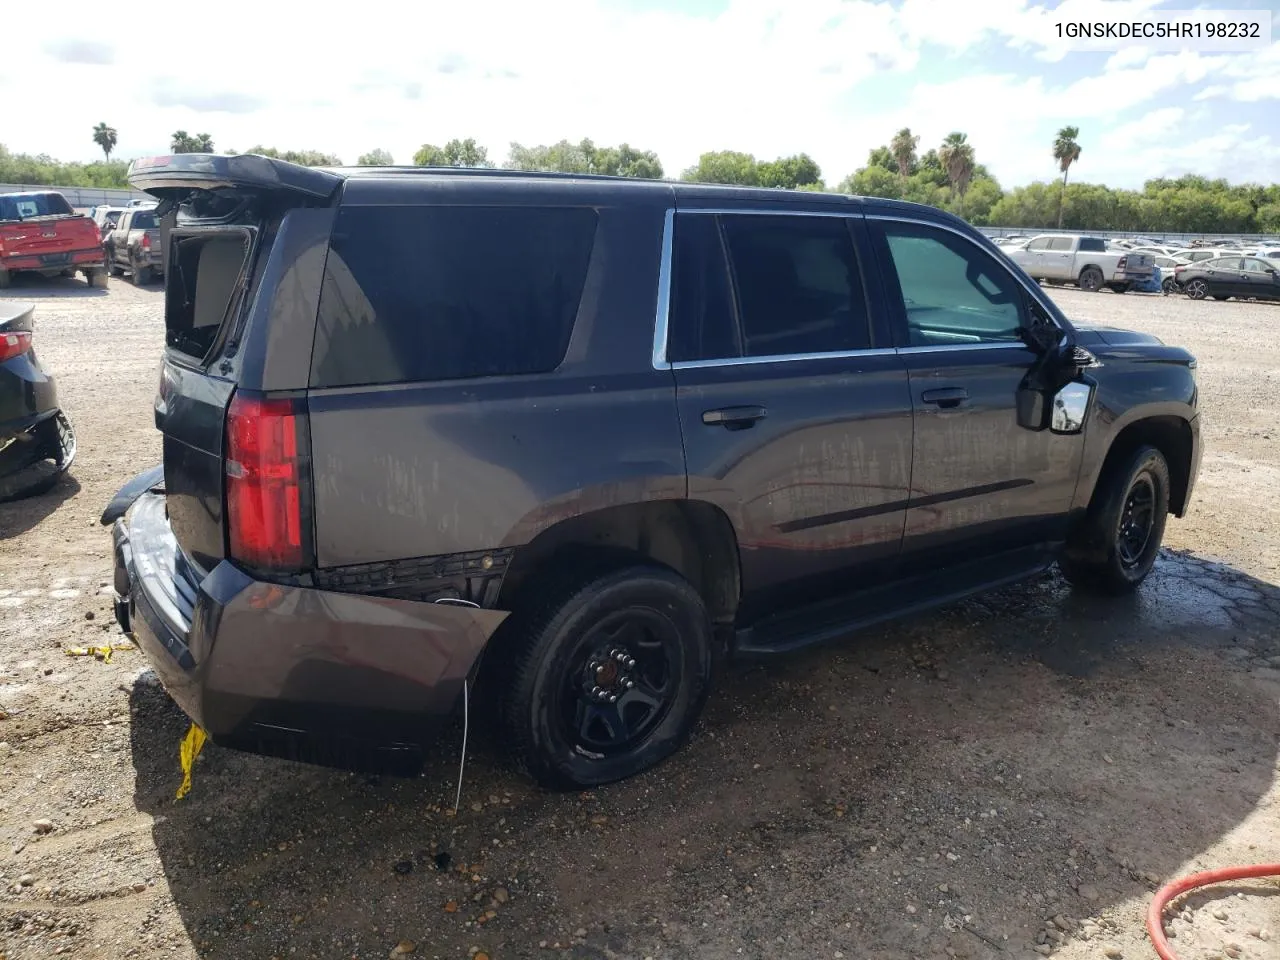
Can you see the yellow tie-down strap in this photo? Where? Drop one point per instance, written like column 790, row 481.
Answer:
column 188, row 750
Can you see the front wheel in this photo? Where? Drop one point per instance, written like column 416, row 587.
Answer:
column 608, row 675
column 1197, row 289
column 1091, row 279
column 1124, row 526
column 1169, row 286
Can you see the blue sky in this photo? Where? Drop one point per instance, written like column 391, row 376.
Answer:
column 772, row 77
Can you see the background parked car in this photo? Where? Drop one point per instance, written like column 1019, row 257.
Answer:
column 40, row 232
column 1224, row 277
column 1168, row 267
column 37, row 443
column 1087, row 261
column 134, row 246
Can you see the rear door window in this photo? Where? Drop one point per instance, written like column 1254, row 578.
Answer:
column 1091, row 245
column 426, row 293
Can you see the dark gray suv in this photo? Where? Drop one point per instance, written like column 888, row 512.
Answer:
column 587, row 434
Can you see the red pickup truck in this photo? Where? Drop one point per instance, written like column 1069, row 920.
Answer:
column 40, row 232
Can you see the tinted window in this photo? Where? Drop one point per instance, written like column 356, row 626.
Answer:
column 1060, row 243
column 952, row 290
column 798, row 286
column 702, row 325
column 24, row 206
column 1092, row 245
column 442, row 293
column 143, row 221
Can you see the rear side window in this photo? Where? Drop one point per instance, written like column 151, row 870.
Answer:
column 1092, row 245
column 445, row 293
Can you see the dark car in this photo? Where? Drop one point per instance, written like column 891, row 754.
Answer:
column 37, row 443
column 589, row 434
column 133, row 246
column 1233, row 276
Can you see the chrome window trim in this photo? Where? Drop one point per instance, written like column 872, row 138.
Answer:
column 783, row 358
column 1025, row 282
column 663, row 317
column 981, row 345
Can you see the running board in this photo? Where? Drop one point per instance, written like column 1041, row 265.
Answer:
column 838, row 617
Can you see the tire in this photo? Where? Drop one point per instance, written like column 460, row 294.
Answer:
column 5, row 279
column 1218, row 296
column 1125, row 526
column 1169, row 286
column 96, row 277
column 558, row 650
column 114, row 268
column 1090, row 279
column 1120, row 287
column 1196, row 289
column 141, row 276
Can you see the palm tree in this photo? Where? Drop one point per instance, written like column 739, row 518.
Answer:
column 183, row 142
column 105, row 137
column 903, row 148
column 204, row 143
column 1066, row 151
column 956, row 156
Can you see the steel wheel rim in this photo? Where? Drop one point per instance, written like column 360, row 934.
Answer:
column 1091, row 281
column 1137, row 519
column 621, row 682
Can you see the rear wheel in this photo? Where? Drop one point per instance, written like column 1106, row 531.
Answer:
column 141, row 275
column 1197, row 289
column 1120, row 287
column 1091, row 279
column 1124, row 526
column 5, row 278
column 96, row 277
column 608, row 674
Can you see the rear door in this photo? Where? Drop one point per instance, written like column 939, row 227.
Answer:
column 1059, row 258
column 794, row 406
column 228, row 211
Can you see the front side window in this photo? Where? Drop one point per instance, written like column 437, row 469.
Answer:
column 1062, row 243
column 952, row 291
column 428, row 293
column 1039, row 243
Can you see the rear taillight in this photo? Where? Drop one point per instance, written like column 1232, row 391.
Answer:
column 146, row 241
column 14, row 344
column 266, row 473
column 1123, row 261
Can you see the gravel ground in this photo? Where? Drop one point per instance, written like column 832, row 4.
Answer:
column 1010, row 777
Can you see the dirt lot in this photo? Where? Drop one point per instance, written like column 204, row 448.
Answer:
column 943, row 787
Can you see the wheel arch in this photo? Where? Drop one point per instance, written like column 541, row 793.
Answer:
column 1173, row 436
column 692, row 537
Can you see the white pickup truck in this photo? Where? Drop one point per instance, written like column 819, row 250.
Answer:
column 1087, row 261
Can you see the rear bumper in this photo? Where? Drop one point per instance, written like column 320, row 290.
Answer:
column 339, row 679
column 53, row 262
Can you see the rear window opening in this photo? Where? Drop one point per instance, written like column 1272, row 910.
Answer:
column 28, row 206
column 205, row 270
column 143, row 221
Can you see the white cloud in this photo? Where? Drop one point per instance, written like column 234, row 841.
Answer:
column 767, row 76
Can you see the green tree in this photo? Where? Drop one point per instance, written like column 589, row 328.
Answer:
column 105, row 137
column 584, row 156
column 873, row 180
column 789, row 173
column 375, row 158
column 455, row 153
column 183, row 142
column 1066, row 150
column 306, row 158
column 956, row 156
column 725, row 166
column 903, row 147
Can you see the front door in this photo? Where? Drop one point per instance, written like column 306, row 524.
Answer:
column 794, row 405
column 980, row 483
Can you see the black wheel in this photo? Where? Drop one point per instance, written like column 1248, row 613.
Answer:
column 1122, row 532
column 1120, row 287
column 29, row 468
column 608, row 675
column 1169, row 286
column 1196, row 289
column 1091, row 279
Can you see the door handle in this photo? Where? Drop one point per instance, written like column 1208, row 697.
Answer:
column 733, row 418
column 946, row 397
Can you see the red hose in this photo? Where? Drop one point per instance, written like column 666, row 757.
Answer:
column 1170, row 891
